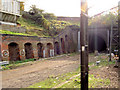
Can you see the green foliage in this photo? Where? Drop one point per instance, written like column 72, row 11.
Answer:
column 22, row 61
column 43, row 24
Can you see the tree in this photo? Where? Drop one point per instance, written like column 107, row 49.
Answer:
column 104, row 20
column 35, row 10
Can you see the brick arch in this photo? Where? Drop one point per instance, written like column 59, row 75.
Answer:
column 49, row 48
column 62, row 45
column 14, row 53
column 57, row 48
column 40, row 48
column 28, row 50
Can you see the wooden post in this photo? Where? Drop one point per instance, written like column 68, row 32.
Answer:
column 84, row 45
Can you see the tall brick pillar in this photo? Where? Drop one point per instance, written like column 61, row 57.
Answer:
column 35, row 50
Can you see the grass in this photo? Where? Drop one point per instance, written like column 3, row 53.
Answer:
column 52, row 81
column 13, row 33
column 32, row 28
column 93, row 82
column 32, row 33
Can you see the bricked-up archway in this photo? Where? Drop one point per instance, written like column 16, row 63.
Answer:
column 49, row 48
column 28, row 51
column 40, row 50
column 62, row 45
column 14, row 54
column 56, row 48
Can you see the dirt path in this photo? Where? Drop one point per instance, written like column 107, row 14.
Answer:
column 25, row 76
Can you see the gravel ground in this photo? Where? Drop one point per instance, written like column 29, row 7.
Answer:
column 23, row 77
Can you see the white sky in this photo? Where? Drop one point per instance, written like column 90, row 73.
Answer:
column 70, row 8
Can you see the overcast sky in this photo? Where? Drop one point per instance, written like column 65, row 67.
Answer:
column 70, row 8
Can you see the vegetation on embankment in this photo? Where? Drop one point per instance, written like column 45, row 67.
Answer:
column 37, row 22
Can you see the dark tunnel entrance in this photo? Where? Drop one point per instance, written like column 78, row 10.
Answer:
column 97, row 43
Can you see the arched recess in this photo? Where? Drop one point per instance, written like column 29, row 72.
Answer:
column 57, row 48
column 14, row 53
column 40, row 50
column 0, row 53
column 96, row 42
column 28, row 51
column 66, row 43
column 49, row 49
column 62, row 45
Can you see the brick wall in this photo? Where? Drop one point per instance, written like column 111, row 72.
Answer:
column 9, row 41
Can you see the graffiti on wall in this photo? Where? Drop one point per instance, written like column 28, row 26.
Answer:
column 5, row 53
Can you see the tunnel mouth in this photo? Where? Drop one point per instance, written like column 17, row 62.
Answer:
column 101, row 45
column 97, row 43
